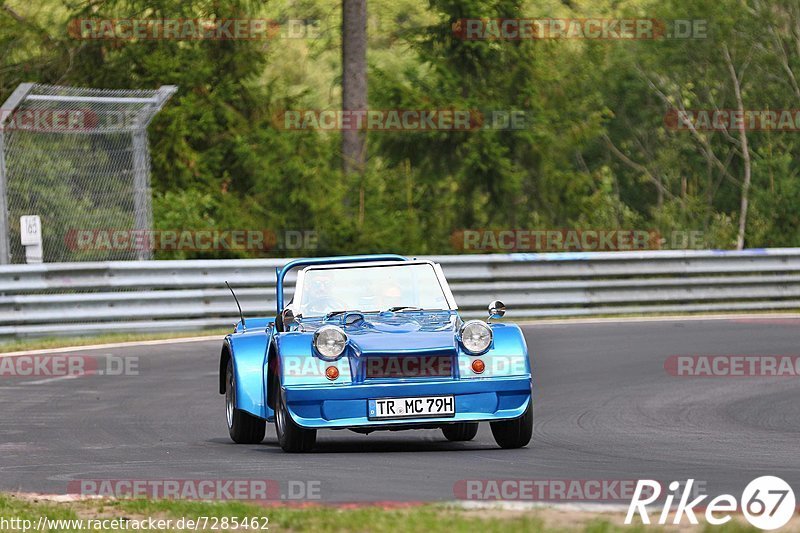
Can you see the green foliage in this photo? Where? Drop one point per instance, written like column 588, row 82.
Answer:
column 594, row 151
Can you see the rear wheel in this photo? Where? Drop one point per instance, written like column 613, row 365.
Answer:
column 291, row 437
column 462, row 431
column 243, row 427
column 514, row 433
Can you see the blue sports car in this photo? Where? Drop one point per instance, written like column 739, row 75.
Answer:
column 373, row 343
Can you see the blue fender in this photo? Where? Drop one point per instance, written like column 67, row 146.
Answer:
column 248, row 349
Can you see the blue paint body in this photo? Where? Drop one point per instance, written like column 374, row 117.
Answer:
column 265, row 358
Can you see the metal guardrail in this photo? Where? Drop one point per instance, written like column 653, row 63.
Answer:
column 81, row 298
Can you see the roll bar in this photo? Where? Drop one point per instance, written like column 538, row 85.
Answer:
column 281, row 272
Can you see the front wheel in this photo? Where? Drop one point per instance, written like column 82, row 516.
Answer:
column 292, row 437
column 514, row 433
column 462, row 431
column 243, row 427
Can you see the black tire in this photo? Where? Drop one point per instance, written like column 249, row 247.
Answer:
column 461, row 431
column 514, row 433
column 291, row 437
column 243, row 427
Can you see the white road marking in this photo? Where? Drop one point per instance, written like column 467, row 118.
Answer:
column 128, row 344
column 50, row 380
column 670, row 318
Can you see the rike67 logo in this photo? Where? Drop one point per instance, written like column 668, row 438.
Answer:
column 767, row 502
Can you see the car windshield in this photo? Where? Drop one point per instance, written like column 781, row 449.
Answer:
column 371, row 289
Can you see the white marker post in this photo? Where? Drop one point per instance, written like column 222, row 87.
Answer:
column 30, row 230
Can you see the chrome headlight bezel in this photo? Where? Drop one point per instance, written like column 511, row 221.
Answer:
column 327, row 355
column 489, row 337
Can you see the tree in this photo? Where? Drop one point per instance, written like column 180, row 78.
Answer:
column 354, row 88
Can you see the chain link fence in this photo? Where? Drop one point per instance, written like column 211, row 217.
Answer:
column 79, row 159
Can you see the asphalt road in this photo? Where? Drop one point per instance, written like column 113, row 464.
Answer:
column 605, row 409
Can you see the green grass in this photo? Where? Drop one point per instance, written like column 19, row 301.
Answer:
column 60, row 342
column 676, row 315
column 430, row 518
column 374, row 519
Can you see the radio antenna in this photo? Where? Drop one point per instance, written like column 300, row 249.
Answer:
column 241, row 315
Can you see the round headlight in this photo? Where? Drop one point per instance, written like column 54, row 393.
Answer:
column 330, row 341
column 476, row 337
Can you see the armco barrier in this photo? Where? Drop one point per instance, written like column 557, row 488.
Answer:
column 80, row 298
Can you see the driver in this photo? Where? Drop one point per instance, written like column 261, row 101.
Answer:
column 393, row 294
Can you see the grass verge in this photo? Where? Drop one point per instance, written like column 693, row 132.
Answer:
column 61, row 342
column 374, row 519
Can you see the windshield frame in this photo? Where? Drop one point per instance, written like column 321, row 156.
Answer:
column 437, row 269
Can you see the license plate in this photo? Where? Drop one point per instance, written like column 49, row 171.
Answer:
column 433, row 406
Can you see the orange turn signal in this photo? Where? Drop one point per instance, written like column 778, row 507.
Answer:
column 478, row 366
column 331, row 373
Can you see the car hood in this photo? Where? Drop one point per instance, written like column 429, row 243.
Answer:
column 402, row 332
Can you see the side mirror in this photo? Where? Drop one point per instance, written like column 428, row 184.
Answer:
column 287, row 315
column 497, row 309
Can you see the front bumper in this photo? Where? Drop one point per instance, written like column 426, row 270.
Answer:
column 345, row 406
